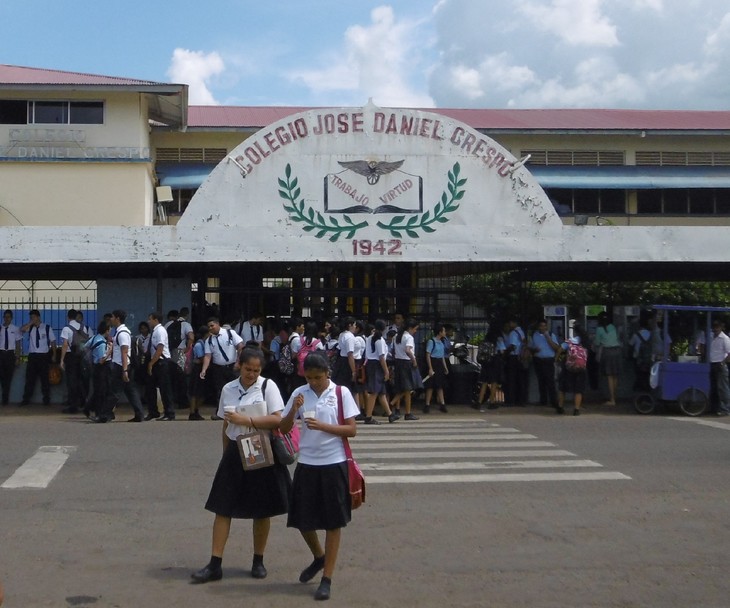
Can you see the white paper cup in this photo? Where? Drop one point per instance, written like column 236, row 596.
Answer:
column 229, row 409
column 308, row 414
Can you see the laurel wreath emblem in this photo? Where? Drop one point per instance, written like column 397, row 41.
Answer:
column 315, row 222
column 448, row 204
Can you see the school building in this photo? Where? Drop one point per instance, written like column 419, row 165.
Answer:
column 116, row 193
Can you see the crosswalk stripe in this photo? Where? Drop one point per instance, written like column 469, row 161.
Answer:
column 474, row 454
column 715, row 424
column 421, row 438
column 40, row 469
column 392, row 429
column 465, row 466
column 491, row 477
column 455, row 444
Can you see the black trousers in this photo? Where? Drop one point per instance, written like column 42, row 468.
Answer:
column 516, row 382
column 7, row 369
column 38, row 364
column 545, row 372
column 117, row 385
column 99, row 386
column 162, row 373
column 72, row 370
column 220, row 375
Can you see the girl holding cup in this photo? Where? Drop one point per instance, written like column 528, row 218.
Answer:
column 320, row 493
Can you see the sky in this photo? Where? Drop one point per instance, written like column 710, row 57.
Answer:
column 643, row 54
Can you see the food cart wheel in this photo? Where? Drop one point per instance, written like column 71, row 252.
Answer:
column 692, row 402
column 644, row 403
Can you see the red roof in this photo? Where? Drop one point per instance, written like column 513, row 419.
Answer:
column 18, row 75
column 520, row 120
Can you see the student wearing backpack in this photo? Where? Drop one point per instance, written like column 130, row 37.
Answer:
column 73, row 339
column 308, row 343
column 573, row 379
column 99, row 350
column 437, row 369
column 221, row 354
column 641, row 351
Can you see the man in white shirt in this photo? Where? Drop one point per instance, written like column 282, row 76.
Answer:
column 719, row 358
column 181, row 338
column 120, row 373
column 221, row 357
column 73, row 338
column 41, row 349
column 10, row 342
column 159, row 367
column 251, row 330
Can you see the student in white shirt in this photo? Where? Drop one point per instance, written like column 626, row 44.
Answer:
column 10, row 343
column 320, row 493
column 237, row 494
column 405, row 362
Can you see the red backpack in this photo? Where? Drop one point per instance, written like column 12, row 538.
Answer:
column 304, row 350
column 577, row 358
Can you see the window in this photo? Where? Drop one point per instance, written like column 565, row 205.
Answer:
column 181, row 199
column 682, row 201
column 23, row 112
column 590, row 201
column 13, row 112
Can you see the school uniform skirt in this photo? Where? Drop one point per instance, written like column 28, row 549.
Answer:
column 342, row 374
column 320, row 497
column 438, row 380
column 403, row 376
column 610, row 363
column 374, row 377
column 243, row 494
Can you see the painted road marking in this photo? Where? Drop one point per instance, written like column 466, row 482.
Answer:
column 472, row 454
column 439, row 445
column 490, row 477
column 715, row 424
column 456, row 466
column 390, row 438
column 40, row 469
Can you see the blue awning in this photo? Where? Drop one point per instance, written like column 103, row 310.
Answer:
column 631, row 178
column 183, row 175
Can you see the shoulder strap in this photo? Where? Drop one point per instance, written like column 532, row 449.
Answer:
column 230, row 335
column 341, row 419
column 124, row 331
column 48, row 334
column 263, row 388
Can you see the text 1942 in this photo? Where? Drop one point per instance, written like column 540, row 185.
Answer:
column 367, row 247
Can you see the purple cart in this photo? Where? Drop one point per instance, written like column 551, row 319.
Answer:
column 686, row 383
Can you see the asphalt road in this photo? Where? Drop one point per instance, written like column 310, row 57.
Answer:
column 611, row 509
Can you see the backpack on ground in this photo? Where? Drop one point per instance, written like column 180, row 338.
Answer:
column 286, row 359
column 303, row 352
column 645, row 356
column 577, row 358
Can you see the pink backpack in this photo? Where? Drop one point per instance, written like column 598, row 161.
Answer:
column 304, row 350
column 577, row 358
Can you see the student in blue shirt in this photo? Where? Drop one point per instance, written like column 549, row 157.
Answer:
column 437, row 369
column 544, row 346
column 100, row 353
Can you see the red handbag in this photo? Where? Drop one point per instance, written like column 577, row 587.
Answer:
column 354, row 474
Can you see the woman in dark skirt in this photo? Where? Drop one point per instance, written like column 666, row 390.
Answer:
column 377, row 374
column 404, row 354
column 437, row 369
column 320, row 495
column 237, row 494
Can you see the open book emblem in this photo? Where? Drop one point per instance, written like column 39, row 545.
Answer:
column 386, row 188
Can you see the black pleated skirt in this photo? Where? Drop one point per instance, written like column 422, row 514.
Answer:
column 248, row 494
column 320, row 498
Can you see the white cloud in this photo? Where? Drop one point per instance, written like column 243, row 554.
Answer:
column 576, row 22
column 378, row 60
column 196, row 69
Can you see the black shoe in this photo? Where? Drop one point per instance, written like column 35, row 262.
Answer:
column 71, row 409
column 560, row 410
column 576, row 412
column 207, row 574
column 393, row 417
column 311, row 570
column 442, row 407
column 136, row 419
column 149, row 417
column 410, row 417
column 371, row 420
column 396, row 410
column 166, row 418
column 86, row 412
column 360, row 417
column 216, row 417
column 323, row 591
column 426, row 409
column 195, row 416
column 98, row 419
column 258, row 571
column 492, row 406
